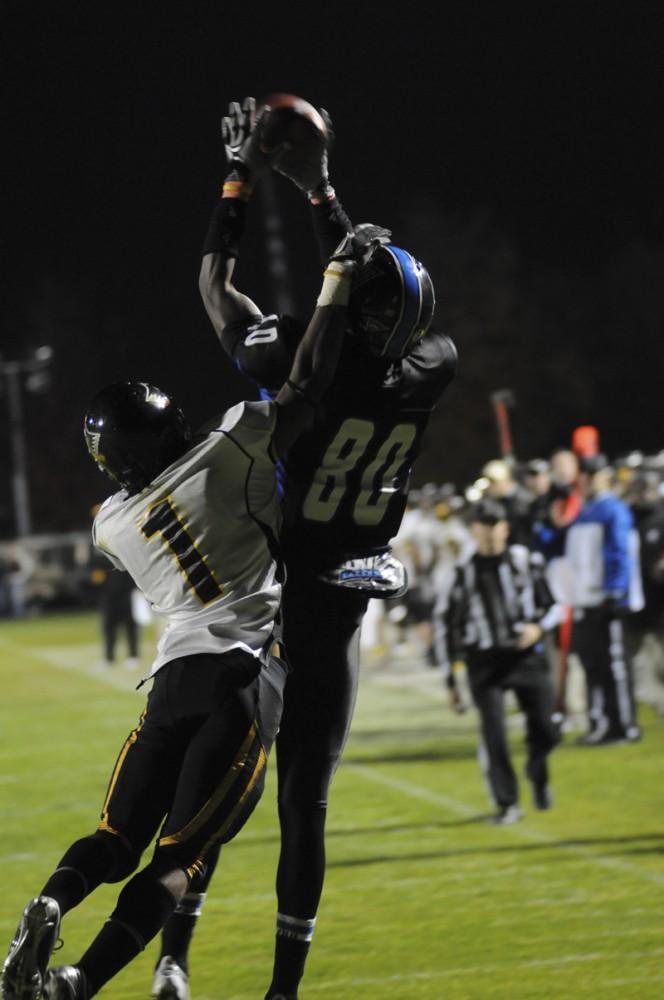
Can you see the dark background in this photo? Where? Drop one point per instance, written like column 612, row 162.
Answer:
column 513, row 148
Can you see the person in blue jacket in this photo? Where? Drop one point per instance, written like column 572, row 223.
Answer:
column 602, row 550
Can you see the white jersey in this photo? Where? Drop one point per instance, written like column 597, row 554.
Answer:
column 196, row 540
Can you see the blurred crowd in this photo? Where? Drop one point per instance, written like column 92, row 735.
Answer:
column 598, row 525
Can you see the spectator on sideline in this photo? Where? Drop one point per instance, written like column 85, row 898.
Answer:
column 116, row 609
column 602, row 552
column 502, row 486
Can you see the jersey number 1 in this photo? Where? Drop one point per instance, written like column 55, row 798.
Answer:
column 163, row 519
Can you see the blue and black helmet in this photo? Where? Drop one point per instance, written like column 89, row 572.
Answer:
column 392, row 302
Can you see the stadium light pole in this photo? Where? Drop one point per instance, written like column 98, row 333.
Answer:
column 34, row 368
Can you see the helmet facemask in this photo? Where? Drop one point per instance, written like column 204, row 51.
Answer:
column 392, row 302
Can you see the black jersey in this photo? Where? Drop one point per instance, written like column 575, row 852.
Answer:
column 347, row 478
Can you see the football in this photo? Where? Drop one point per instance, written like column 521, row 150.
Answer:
column 293, row 126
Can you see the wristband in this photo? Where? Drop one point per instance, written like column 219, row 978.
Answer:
column 335, row 290
column 319, row 197
column 236, row 189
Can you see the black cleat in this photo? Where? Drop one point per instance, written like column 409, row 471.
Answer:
column 35, row 938
column 65, row 982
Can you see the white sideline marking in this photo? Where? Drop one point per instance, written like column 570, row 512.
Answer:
column 66, row 659
column 462, row 808
column 475, row 970
column 69, row 658
column 336, row 986
column 414, row 791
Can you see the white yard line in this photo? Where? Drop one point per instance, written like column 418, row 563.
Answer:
column 80, row 660
column 411, row 790
column 420, row 681
column 335, row 987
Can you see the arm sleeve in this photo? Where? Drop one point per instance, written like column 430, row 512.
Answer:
column 616, row 550
column 330, row 224
column 226, row 228
column 101, row 547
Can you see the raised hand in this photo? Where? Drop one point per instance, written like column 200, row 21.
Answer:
column 241, row 139
column 361, row 243
column 310, row 171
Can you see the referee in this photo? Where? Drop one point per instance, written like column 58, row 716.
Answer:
column 494, row 618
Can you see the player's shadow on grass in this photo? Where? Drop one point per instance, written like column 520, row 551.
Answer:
column 654, row 844
column 373, row 831
column 406, row 746
column 414, row 756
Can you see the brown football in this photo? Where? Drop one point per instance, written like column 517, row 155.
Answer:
column 292, row 124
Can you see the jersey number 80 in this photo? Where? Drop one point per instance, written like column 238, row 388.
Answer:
column 376, row 489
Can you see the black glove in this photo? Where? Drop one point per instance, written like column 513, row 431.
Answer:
column 309, row 172
column 360, row 244
column 240, row 138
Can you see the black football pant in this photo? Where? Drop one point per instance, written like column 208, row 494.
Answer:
column 194, row 766
column 322, row 634
column 527, row 675
column 599, row 640
column 197, row 756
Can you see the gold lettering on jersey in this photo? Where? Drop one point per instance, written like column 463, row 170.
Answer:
column 163, row 519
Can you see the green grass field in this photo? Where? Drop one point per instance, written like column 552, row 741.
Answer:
column 423, row 899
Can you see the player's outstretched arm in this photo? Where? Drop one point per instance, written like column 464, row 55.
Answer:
column 318, row 354
column 223, row 302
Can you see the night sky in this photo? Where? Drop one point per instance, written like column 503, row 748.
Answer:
column 513, row 148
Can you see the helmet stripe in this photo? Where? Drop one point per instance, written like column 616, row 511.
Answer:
column 411, row 309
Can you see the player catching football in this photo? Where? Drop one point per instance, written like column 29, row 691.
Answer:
column 345, row 489
column 195, row 523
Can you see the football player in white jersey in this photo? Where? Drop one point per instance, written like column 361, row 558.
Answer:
column 194, row 523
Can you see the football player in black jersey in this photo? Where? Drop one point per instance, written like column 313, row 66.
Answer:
column 345, row 488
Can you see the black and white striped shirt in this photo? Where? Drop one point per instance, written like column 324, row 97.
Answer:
column 489, row 598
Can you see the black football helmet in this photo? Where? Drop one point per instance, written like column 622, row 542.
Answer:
column 134, row 431
column 392, row 302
